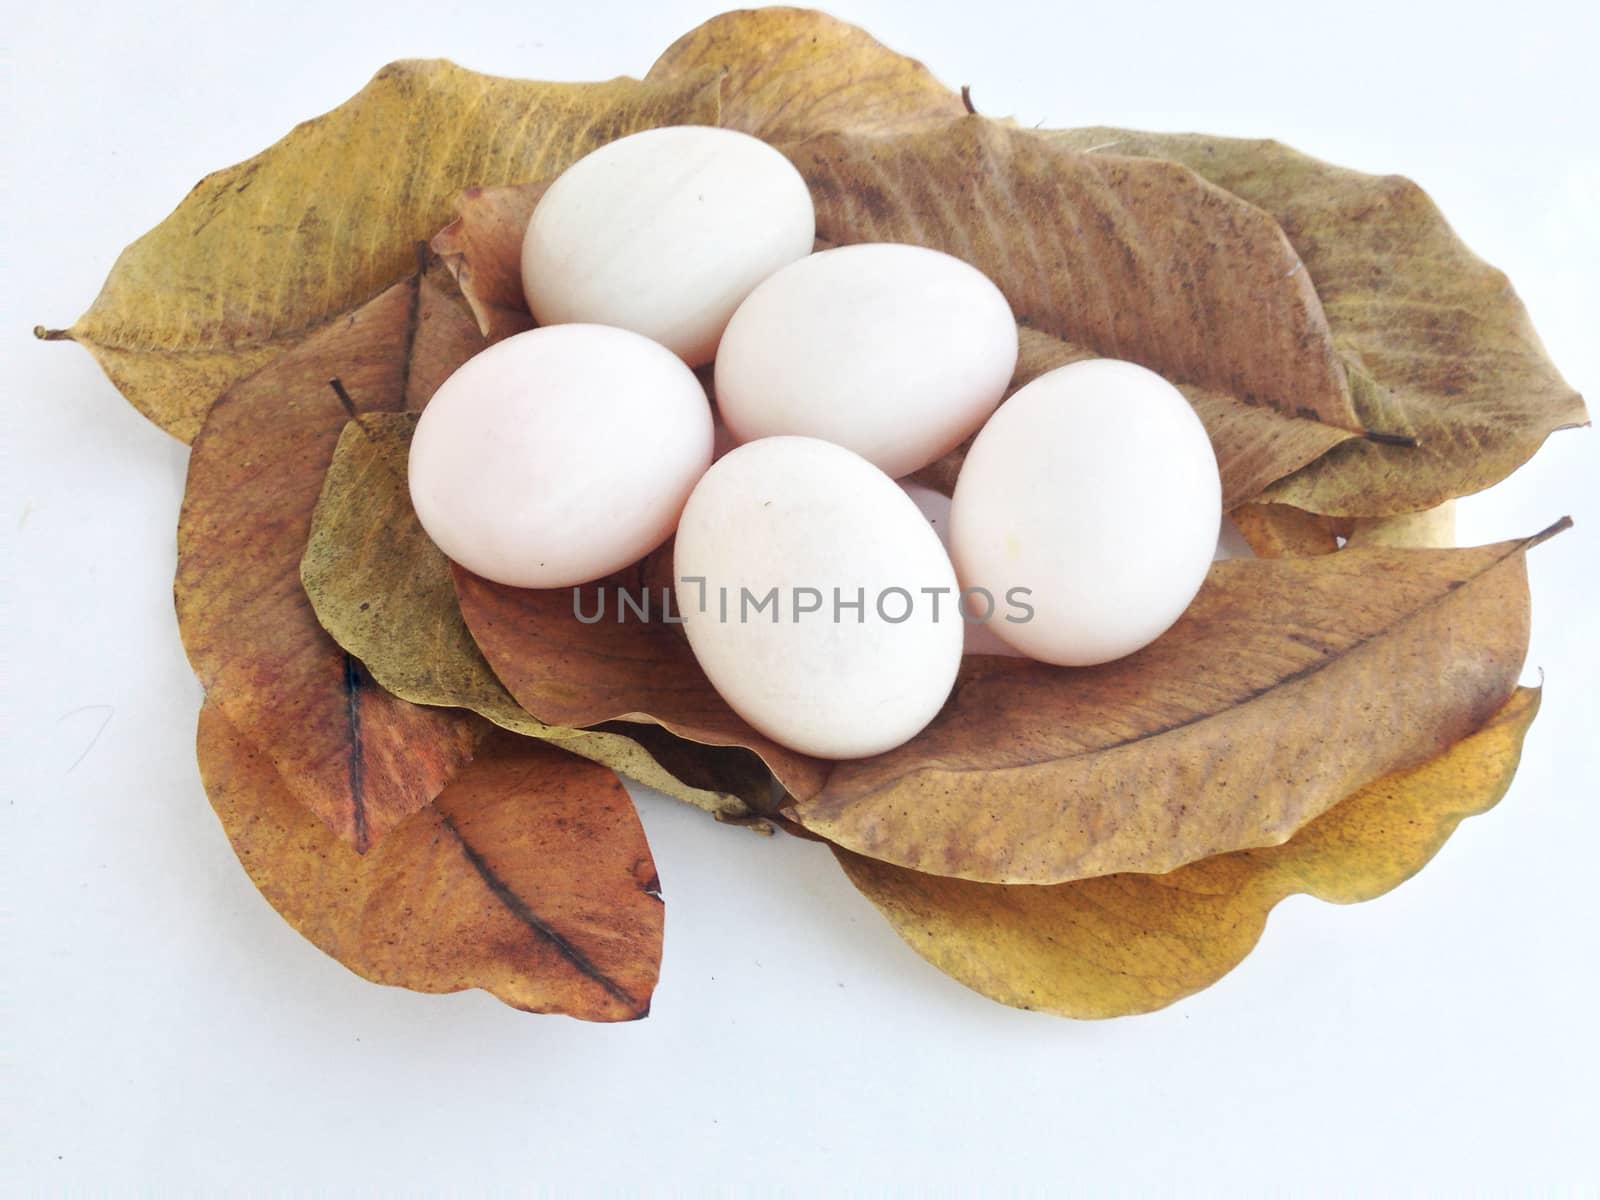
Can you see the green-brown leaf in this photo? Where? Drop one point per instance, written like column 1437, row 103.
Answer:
column 1437, row 345
column 383, row 591
column 262, row 255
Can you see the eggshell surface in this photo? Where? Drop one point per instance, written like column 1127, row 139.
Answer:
column 559, row 455
column 820, row 528
column 664, row 232
column 1094, row 487
column 896, row 352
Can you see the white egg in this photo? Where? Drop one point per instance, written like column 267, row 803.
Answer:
column 980, row 638
column 1095, row 489
column 559, row 455
column 816, row 597
column 895, row 352
column 664, row 232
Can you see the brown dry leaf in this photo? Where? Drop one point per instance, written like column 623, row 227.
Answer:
column 568, row 672
column 482, row 248
column 359, row 758
column 1276, row 530
column 1125, row 257
column 1280, row 530
column 1254, row 445
column 528, row 877
column 262, row 255
column 1288, row 684
column 382, row 589
column 1130, row 258
column 791, row 72
column 1437, row 344
column 1430, row 527
column 1125, row 944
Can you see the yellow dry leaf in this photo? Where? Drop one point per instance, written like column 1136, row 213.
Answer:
column 1430, row 527
column 261, row 255
column 1124, row 944
column 791, row 72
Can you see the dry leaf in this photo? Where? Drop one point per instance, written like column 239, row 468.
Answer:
column 1131, row 258
column 1276, row 530
column 1126, row 944
column 790, row 72
column 1280, row 530
column 1437, row 345
column 1212, row 298
column 1254, row 445
column 383, row 591
column 1430, row 527
column 359, row 758
column 262, row 255
column 1289, row 683
column 528, row 877
column 482, row 248
column 568, row 672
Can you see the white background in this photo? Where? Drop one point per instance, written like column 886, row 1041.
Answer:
column 168, row 1032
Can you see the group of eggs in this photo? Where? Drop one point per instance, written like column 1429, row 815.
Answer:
column 828, row 604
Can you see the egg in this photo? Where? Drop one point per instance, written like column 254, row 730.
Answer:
column 816, row 598
column 895, row 352
column 1092, row 497
column 559, row 455
column 934, row 506
column 664, row 232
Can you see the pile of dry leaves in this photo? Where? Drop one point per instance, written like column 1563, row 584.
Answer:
column 418, row 768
